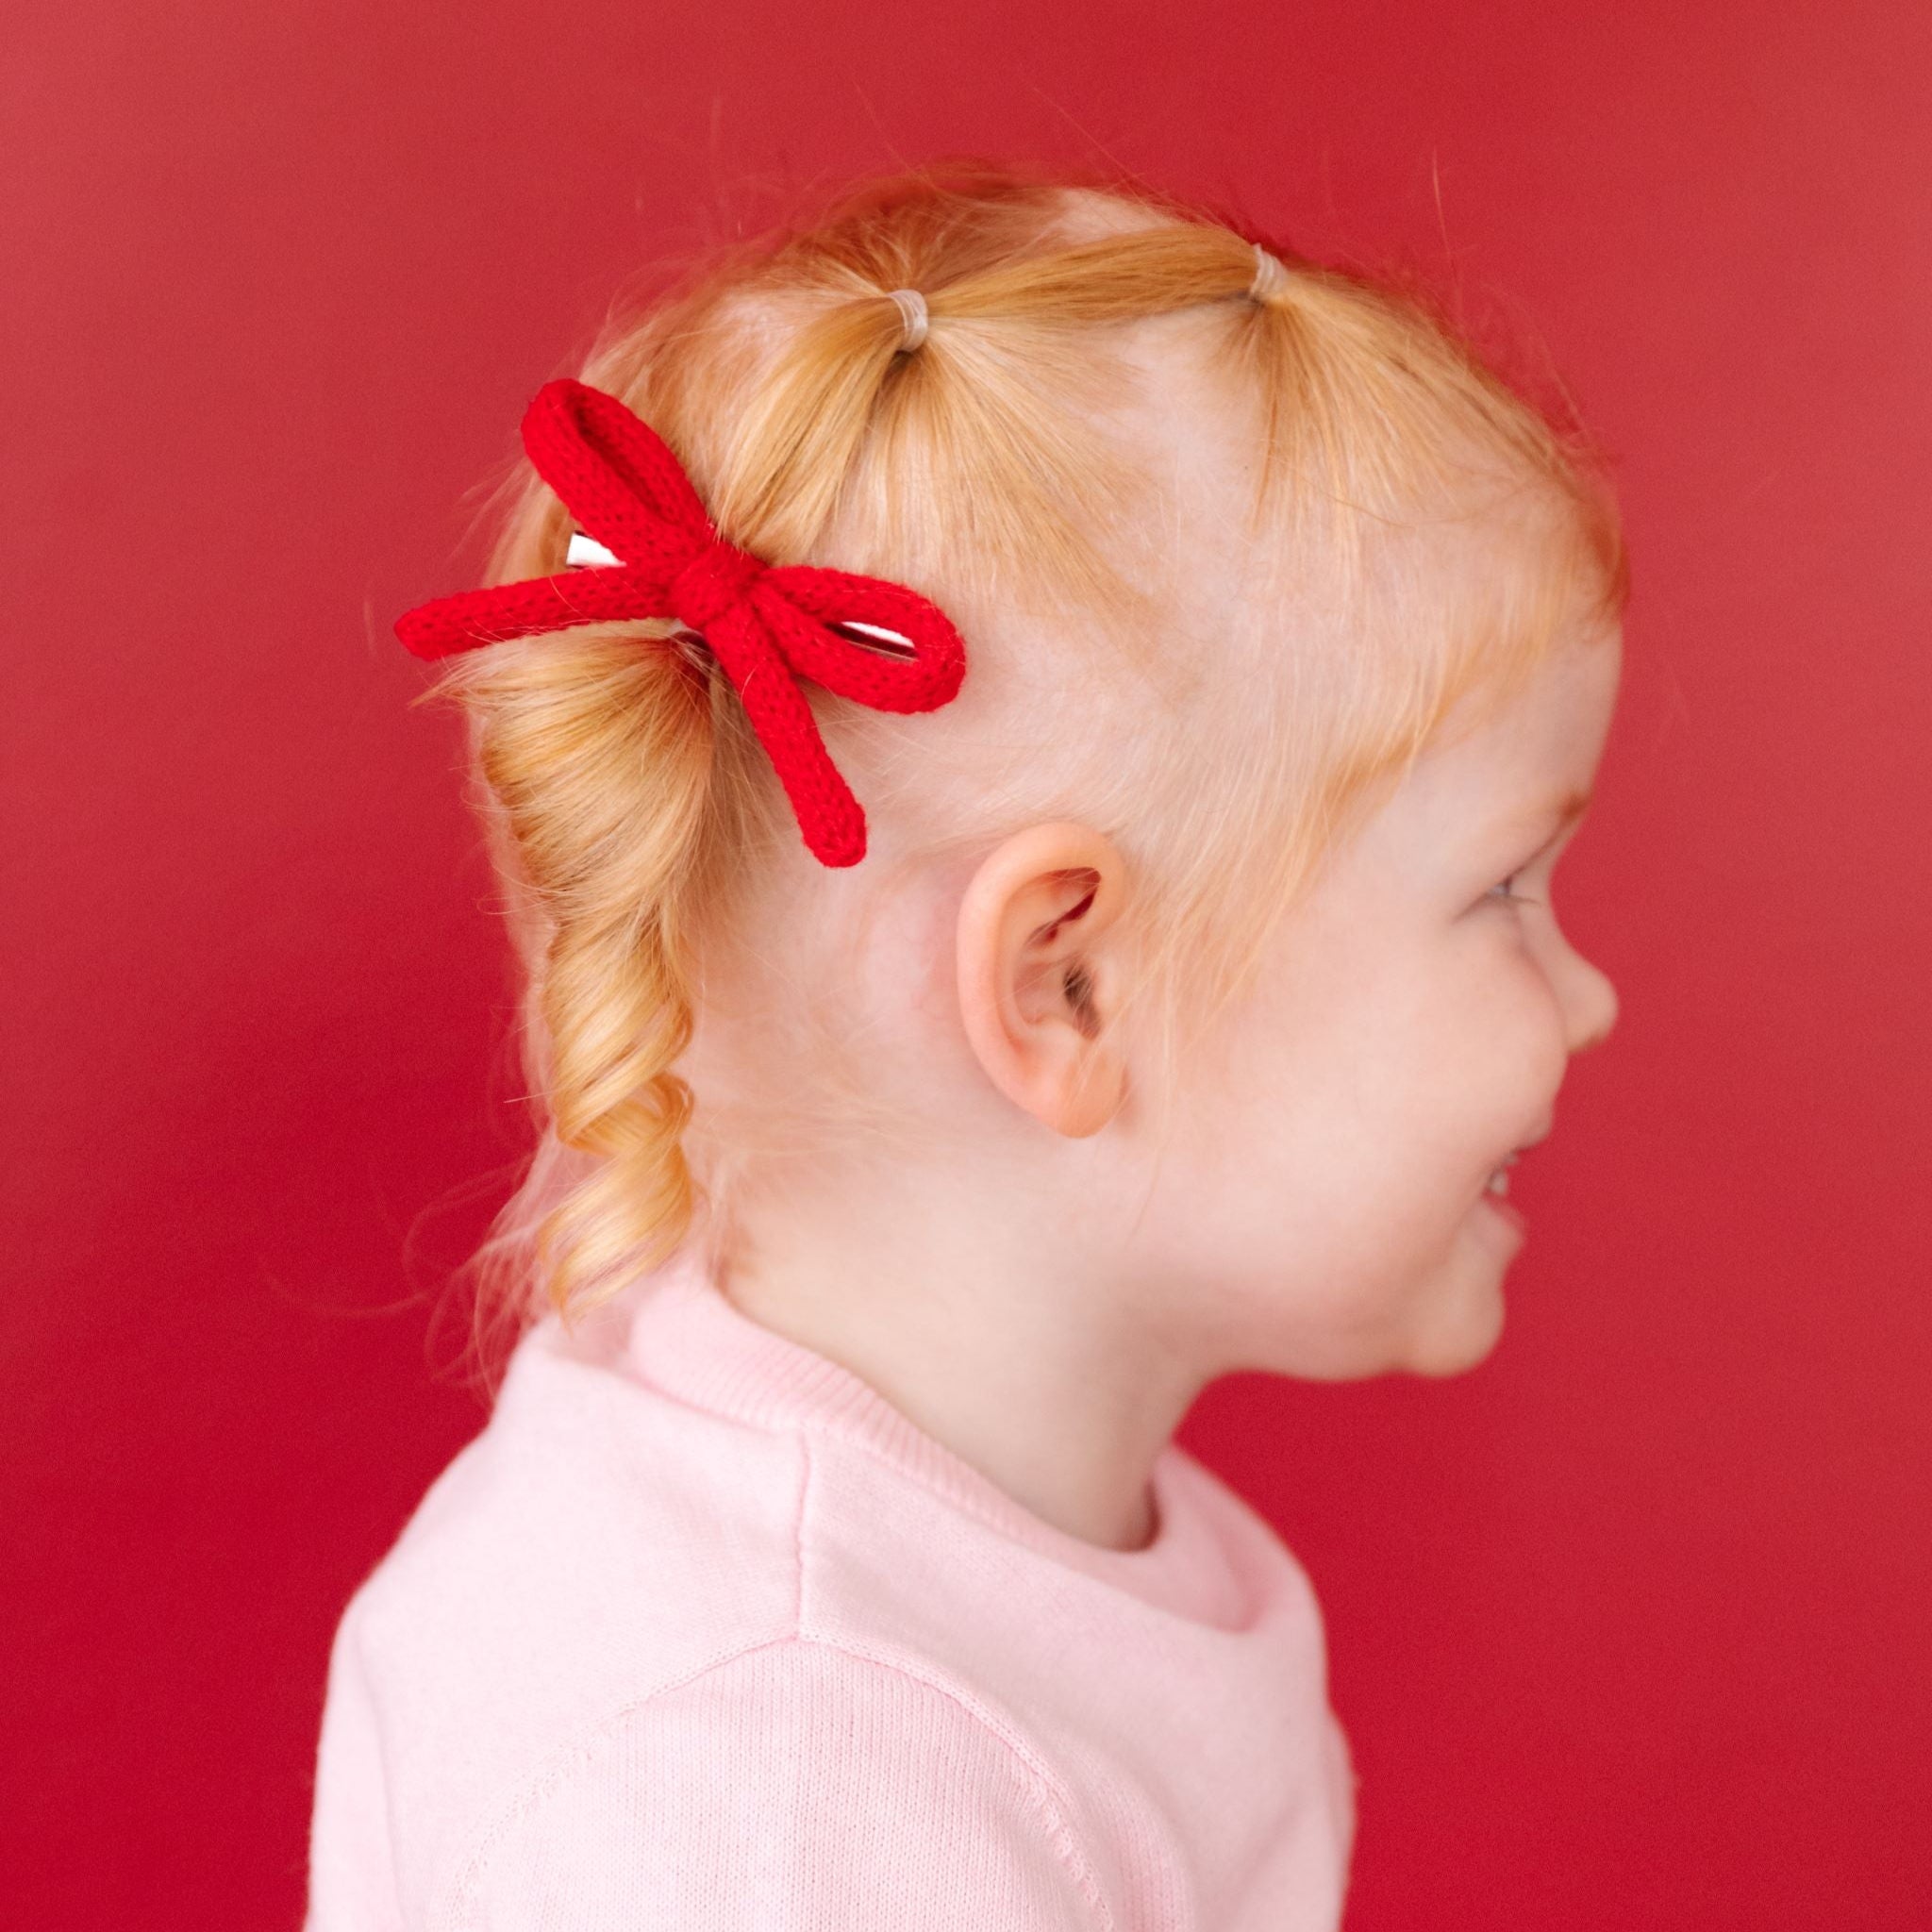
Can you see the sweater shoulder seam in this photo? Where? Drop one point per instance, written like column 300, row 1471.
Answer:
column 1041, row 1790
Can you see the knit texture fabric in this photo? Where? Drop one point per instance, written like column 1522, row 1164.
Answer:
column 700, row 1634
column 767, row 627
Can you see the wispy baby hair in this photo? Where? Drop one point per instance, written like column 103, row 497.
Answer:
column 1222, row 661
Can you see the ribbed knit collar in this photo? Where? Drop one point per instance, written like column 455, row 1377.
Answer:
column 690, row 1341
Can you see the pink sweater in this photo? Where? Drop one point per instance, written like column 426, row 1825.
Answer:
column 702, row 1633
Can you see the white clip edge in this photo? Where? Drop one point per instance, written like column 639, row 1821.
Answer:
column 587, row 553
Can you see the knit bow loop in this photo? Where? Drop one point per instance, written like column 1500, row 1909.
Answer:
column 801, row 602
column 617, row 476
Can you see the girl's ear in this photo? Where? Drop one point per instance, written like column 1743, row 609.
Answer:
column 1037, row 968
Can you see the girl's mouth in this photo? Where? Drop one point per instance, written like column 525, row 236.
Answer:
column 1496, row 1204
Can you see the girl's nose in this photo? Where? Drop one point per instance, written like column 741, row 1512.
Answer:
column 1591, row 1000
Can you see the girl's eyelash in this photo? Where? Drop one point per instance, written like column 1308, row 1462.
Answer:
column 1503, row 890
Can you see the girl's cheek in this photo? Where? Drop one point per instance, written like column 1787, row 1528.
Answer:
column 1524, row 1028
column 1544, row 1049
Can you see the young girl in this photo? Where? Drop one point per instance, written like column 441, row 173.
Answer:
column 1026, row 735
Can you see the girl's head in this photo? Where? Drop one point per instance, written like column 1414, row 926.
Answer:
column 1174, row 988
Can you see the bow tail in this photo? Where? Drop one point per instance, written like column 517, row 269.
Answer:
column 828, row 815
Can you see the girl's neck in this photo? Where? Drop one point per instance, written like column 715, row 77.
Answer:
column 1064, row 1412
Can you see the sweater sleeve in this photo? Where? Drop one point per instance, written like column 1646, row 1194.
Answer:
column 796, row 1787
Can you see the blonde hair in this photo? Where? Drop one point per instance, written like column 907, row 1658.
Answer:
column 1226, row 718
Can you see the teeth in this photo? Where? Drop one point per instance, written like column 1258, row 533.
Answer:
column 1499, row 1181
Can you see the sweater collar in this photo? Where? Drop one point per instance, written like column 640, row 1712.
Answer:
column 690, row 1341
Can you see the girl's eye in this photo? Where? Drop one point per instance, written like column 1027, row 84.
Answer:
column 1504, row 892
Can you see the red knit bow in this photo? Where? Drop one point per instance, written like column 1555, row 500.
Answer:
column 766, row 627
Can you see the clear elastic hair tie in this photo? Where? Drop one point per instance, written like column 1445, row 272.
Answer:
column 1271, row 278
column 913, row 318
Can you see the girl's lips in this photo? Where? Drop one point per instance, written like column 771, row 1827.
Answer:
column 1499, row 1206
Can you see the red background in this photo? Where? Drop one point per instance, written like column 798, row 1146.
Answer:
column 1629, row 1626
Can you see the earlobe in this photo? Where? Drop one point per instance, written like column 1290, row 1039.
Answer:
column 1035, row 958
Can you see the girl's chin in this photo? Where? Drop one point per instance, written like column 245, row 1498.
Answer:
column 1459, row 1331
column 1455, row 1351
